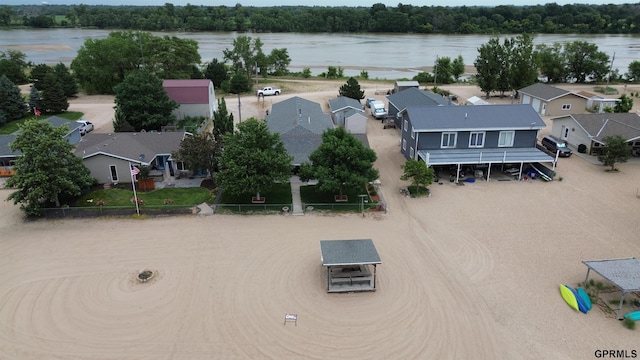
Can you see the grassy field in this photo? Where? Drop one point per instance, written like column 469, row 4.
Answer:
column 122, row 197
column 310, row 194
column 13, row 126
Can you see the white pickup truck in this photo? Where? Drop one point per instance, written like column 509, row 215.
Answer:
column 266, row 91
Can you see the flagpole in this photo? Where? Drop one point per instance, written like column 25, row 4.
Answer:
column 133, row 183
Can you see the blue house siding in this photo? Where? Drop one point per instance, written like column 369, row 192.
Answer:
column 491, row 120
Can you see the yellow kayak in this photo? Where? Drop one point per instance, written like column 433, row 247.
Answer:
column 569, row 297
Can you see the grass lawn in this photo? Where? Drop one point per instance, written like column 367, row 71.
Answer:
column 122, row 197
column 310, row 194
column 275, row 199
column 13, row 126
column 279, row 194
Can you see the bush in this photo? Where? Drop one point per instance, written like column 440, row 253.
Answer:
column 629, row 324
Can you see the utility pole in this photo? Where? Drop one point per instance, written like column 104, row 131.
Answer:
column 239, row 111
column 609, row 75
column 435, row 72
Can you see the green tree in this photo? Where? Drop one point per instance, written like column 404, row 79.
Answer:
column 246, row 55
column 54, row 99
column 38, row 73
column 418, row 173
column 615, row 151
column 222, row 121
column 239, row 83
column 585, row 62
column 35, row 100
column 199, row 152
column 253, row 159
column 633, row 72
column 47, row 172
column 306, row 73
column 170, row 57
column 143, row 101
column 279, row 61
column 12, row 104
column 340, row 162
column 624, row 105
column 442, row 70
column 551, row 62
column 457, row 67
column 523, row 64
column 6, row 13
column 216, row 72
column 67, row 80
column 101, row 64
column 14, row 66
column 488, row 65
column 352, row 89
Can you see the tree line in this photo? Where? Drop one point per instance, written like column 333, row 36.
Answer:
column 550, row 18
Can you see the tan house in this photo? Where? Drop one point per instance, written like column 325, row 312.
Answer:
column 586, row 132
column 552, row 101
column 109, row 156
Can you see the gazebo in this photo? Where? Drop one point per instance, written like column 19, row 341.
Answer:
column 623, row 273
column 349, row 264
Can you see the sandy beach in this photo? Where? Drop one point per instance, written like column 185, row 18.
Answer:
column 469, row 272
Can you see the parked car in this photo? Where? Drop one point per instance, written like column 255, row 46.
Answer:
column 369, row 101
column 554, row 145
column 377, row 110
column 85, row 127
column 268, row 91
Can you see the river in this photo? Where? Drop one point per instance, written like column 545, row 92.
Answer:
column 384, row 56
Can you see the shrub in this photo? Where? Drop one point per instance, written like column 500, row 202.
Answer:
column 629, row 324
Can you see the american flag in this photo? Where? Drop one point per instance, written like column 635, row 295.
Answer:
column 134, row 170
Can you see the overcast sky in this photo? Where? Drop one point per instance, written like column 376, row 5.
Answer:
column 311, row 3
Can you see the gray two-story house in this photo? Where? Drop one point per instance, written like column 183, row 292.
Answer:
column 472, row 135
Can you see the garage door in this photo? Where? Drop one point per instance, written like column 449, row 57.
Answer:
column 536, row 105
column 526, row 99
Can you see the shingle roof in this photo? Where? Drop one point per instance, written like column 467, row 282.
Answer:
column 487, row 117
column 300, row 123
column 544, row 91
column 415, row 97
column 348, row 252
column 129, row 146
column 598, row 126
column 188, row 91
column 57, row 122
column 343, row 102
column 5, row 151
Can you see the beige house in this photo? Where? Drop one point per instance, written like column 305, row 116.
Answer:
column 586, row 131
column 109, row 156
column 552, row 101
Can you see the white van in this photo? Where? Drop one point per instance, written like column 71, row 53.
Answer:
column 377, row 110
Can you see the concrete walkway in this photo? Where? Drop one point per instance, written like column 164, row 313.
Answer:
column 295, row 196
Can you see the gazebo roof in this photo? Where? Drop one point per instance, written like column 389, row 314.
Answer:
column 348, row 252
column 623, row 273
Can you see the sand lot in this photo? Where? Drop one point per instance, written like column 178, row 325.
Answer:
column 471, row 272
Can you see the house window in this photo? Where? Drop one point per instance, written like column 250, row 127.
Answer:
column 180, row 166
column 566, row 106
column 114, row 173
column 449, row 139
column 506, row 138
column 413, row 134
column 411, row 152
column 406, row 125
column 476, row 139
column 404, row 144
